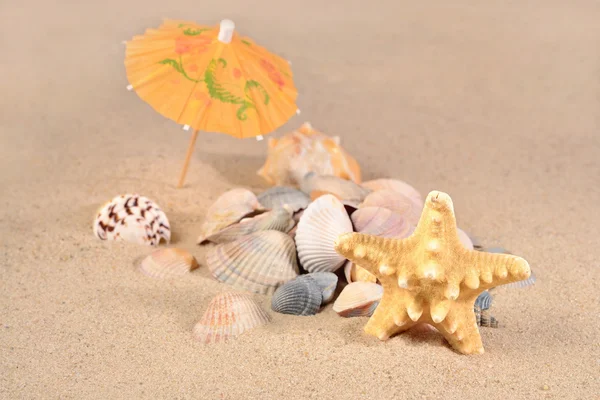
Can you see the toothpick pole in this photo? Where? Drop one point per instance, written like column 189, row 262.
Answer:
column 188, row 156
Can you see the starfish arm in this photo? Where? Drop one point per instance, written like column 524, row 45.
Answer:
column 494, row 269
column 460, row 330
column 390, row 317
column 371, row 252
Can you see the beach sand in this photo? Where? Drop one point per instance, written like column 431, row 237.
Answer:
column 496, row 103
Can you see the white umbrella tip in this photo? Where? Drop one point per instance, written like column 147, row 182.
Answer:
column 226, row 30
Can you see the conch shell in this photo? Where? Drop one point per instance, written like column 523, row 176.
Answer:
column 306, row 150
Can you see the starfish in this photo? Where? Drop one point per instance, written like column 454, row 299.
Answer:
column 430, row 276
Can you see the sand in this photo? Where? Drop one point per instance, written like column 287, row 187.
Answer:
column 496, row 103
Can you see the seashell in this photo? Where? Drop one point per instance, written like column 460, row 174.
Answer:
column 228, row 209
column 396, row 186
column 355, row 273
column 484, row 318
column 280, row 196
column 465, row 239
column 382, row 222
column 322, row 222
column 327, row 282
column 358, row 299
column 396, row 202
column 277, row 220
column 483, row 301
column 298, row 297
column 168, row 263
column 347, row 191
column 497, row 250
column 258, row 262
column 306, row 150
column 132, row 218
column 227, row 316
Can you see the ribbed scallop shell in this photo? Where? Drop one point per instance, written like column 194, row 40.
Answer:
column 380, row 221
column 301, row 296
column 345, row 190
column 327, row 282
column 168, row 263
column 483, row 301
column 397, row 186
column 358, row 299
column 229, row 315
column 276, row 220
column 396, row 202
column 280, row 196
column 258, row 262
column 355, row 273
column 132, row 218
column 322, row 222
column 228, row 209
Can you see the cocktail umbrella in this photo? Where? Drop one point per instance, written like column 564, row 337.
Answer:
column 211, row 79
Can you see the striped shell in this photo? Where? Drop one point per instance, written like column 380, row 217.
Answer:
column 301, row 296
column 132, row 218
column 382, row 222
column 327, row 282
column 345, row 190
column 168, row 263
column 258, row 262
column 280, row 196
column 397, row 186
column 229, row 315
column 358, row 299
column 228, row 209
column 396, row 202
column 277, row 220
column 483, row 301
column 322, row 222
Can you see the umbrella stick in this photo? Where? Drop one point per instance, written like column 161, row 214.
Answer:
column 190, row 151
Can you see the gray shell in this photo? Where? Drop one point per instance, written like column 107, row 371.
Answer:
column 297, row 297
column 484, row 301
column 280, row 196
column 327, row 282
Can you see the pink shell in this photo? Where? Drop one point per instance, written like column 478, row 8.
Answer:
column 396, row 202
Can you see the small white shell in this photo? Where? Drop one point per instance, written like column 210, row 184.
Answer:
column 322, row 222
column 277, row 220
column 396, row 202
column 229, row 315
column 280, row 196
column 358, row 299
column 465, row 239
column 259, row 262
column 168, row 263
column 228, row 209
column 132, row 218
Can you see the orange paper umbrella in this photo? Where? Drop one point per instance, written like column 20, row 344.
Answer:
column 209, row 78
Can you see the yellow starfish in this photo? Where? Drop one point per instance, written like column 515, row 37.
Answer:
column 430, row 277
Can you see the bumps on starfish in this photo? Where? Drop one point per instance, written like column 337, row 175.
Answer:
column 431, row 276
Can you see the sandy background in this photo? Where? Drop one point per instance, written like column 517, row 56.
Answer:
column 496, row 103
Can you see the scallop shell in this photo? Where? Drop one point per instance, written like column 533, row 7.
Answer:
column 327, row 282
column 258, row 262
column 322, row 222
column 168, row 263
column 396, row 202
column 301, row 296
column 397, row 186
column 345, row 190
column 355, row 273
column 132, row 218
column 229, row 315
column 483, row 301
column 465, row 239
column 277, row 220
column 228, row 209
column 382, row 222
column 358, row 299
column 280, row 196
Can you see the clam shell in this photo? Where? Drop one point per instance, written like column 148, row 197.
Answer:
column 132, row 218
column 396, row 202
column 322, row 222
column 327, row 282
column 358, row 299
column 355, row 273
column 168, row 263
column 229, row 315
column 280, row 196
column 397, row 186
column 345, row 190
column 484, row 300
column 465, row 239
column 298, row 297
column 277, row 220
column 258, row 262
column 228, row 209
column 382, row 222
